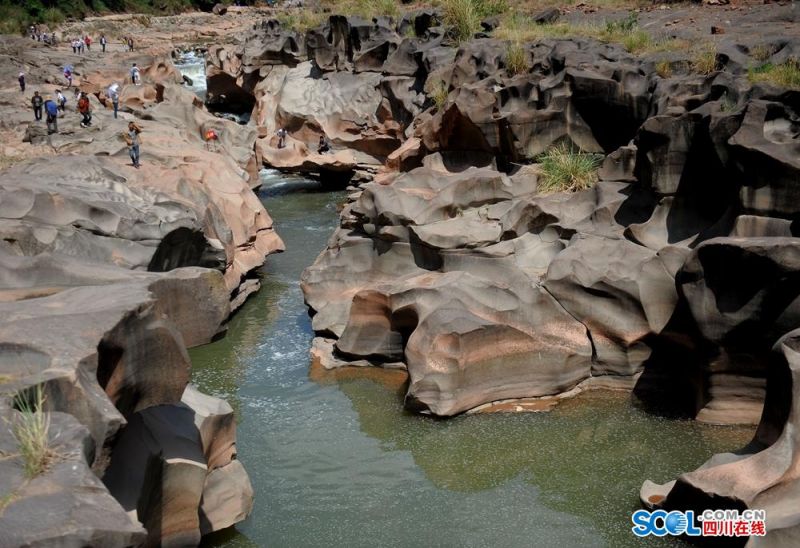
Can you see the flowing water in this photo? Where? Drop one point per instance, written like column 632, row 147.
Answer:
column 193, row 66
column 335, row 460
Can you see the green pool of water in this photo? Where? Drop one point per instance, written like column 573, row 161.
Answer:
column 340, row 463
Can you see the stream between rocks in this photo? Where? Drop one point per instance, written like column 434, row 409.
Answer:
column 336, row 461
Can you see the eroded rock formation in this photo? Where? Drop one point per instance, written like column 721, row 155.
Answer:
column 674, row 275
column 107, row 274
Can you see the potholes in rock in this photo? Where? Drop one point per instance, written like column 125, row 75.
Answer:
column 186, row 247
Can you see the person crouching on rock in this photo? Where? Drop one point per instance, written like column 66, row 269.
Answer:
column 84, row 107
column 324, row 145
column 51, row 110
column 133, row 140
column 36, row 103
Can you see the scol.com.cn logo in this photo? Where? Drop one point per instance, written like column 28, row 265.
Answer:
column 712, row 523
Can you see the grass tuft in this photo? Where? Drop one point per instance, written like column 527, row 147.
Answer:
column 516, row 59
column 761, row 53
column 520, row 28
column 300, row 20
column 438, row 94
column 664, row 69
column 368, row 9
column 31, row 430
column 463, row 17
column 562, row 168
column 704, row 60
column 785, row 75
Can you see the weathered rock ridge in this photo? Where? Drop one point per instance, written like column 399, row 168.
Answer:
column 675, row 275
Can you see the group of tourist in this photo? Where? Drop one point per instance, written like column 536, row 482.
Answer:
column 52, row 106
column 36, row 33
column 79, row 45
column 84, row 44
column 323, row 145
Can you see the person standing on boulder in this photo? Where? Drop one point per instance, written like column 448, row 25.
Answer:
column 133, row 139
column 84, row 107
column 135, row 74
column 113, row 93
column 21, row 79
column 61, row 100
column 36, row 103
column 281, row 138
column 51, row 110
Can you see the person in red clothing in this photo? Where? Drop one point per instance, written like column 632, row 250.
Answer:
column 85, row 109
column 88, row 43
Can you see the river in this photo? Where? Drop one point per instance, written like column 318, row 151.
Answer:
column 338, row 462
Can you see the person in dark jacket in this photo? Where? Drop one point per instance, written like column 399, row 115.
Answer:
column 37, row 102
column 84, row 107
column 21, row 82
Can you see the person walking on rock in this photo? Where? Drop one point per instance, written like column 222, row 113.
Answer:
column 130, row 44
column 113, row 93
column 88, row 41
column 37, row 102
column 84, row 107
column 68, row 75
column 61, row 100
column 135, row 75
column 133, row 140
column 103, row 42
column 21, row 79
column 51, row 110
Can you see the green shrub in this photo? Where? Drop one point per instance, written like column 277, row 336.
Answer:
column 31, row 430
column 565, row 169
column 53, row 16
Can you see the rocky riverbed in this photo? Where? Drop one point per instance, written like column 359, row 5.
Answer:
column 672, row 277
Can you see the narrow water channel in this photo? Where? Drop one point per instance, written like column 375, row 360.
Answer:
column 337, row 461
